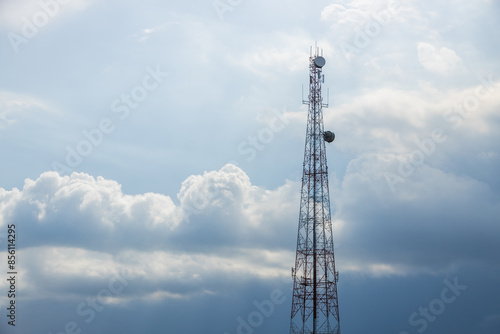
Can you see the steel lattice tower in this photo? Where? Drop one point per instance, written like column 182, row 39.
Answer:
column 315, row 307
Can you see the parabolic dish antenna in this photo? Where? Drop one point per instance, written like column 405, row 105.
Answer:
column 328, row 136
column 319, row 61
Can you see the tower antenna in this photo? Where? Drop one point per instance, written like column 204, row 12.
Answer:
column 315, row 307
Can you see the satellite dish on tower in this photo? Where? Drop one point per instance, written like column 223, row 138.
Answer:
column 319, row 61
column 328, row 136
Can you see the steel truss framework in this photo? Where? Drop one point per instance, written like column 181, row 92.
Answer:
column 315, row 307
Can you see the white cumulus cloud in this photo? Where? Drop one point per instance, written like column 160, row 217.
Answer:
column 80, row 230
column 442, row 60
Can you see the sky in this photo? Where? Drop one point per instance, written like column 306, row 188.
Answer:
column 152, row 159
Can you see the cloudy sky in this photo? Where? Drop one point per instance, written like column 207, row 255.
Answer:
column 152, row 155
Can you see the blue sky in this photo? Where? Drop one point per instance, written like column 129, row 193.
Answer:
column 152, row 156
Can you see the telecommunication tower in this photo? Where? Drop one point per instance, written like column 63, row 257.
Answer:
column 315, row 308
